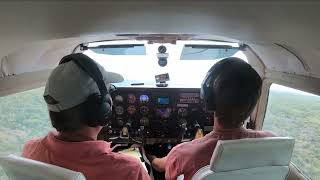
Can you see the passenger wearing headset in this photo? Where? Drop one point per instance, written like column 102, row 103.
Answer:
column 230, row 91
column 78, row 100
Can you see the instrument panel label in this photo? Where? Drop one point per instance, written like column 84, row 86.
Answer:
column 189, row 98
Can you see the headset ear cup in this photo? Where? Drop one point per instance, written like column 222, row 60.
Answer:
column 105, row 110
column 93, row 106
column 99, row 109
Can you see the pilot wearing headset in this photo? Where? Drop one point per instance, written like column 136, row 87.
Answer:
column 78, row 100
column 230, row 90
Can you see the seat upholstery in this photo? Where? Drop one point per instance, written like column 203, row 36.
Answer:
column 249, row 159
column 295, row 173
column 19, row 168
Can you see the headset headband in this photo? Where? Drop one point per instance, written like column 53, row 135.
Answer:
column 90, row 67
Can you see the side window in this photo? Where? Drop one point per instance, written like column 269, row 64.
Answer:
column 296, row 114
column 23, row 116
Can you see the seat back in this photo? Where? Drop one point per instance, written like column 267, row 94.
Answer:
column 254, row 158
column 19, row 168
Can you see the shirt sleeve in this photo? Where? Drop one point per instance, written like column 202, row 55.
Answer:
column 134, row 168
column 142, row 174
column 173, row 165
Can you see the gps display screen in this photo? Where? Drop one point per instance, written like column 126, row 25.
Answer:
column 163, row 100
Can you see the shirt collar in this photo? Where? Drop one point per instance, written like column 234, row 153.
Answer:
column 229, row 131
column 79, row 149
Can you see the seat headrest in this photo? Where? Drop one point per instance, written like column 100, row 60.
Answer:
column 19, row 168
column 250, row 153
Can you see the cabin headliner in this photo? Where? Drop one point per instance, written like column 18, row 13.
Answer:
column 283, row 35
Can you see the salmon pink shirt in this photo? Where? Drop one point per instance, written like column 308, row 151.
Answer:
column 93, row 158
column 187, row 158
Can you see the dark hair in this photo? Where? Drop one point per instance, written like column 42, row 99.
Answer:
column 237, row 90
column 71, row 119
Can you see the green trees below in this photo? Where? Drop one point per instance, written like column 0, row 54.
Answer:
column 297, row 116
column 23, row 116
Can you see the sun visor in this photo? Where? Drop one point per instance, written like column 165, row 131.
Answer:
column 209, row 52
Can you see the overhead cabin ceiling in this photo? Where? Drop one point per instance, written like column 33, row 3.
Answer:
column 34, row 35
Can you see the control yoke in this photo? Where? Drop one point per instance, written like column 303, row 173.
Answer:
column 125, row 137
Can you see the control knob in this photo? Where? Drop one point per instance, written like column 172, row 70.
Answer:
column 183, row 112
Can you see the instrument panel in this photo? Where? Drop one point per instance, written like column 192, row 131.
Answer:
column 156, row 115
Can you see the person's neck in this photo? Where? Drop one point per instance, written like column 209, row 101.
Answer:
column 78, row 136
column 218, row 127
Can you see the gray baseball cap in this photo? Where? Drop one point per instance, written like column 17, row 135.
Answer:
column 68, row 85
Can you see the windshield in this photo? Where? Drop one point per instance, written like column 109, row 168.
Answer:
column 138, row 62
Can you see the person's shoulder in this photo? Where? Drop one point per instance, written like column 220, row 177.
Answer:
column 264, row 133
column 191, row 147
column 180, row 149
column 34, row 141
column 267, row 134
column 31, row 146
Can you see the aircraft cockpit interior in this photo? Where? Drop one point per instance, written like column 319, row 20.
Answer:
column 158, row 105
column 165, row 52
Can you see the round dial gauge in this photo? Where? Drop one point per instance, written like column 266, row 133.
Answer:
column 119, row 110
column 131, row 109
column 144, row 98
column 118, row 98
column 131, row 98
column 144, row 110
column 144, row 121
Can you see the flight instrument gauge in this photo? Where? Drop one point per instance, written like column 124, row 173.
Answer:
column 131, row 110
column 119, row 110
column 144, row 110
column 131, row 98
column 144, row 98
column 118, row 98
